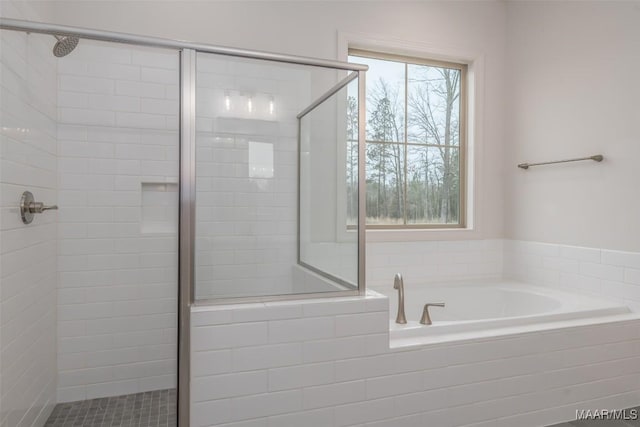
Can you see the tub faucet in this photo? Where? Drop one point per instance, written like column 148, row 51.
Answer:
column 426, row 319
column 399, row 285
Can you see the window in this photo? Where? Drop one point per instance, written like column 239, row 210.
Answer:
column 415, row 136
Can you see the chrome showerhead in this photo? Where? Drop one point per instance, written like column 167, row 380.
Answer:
column 64, row 45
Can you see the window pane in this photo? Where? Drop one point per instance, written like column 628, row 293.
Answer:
column 414, row 145
column 433, row 105
column 433, row 185
column 385, row 183
column 385, row 99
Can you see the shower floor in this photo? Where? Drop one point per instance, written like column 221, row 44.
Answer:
column 152, row 408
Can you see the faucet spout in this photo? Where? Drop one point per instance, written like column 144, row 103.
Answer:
column 398, row 284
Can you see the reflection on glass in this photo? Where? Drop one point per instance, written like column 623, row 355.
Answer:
column 260, row 160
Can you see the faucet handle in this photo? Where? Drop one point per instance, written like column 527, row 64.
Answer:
column 426, row 319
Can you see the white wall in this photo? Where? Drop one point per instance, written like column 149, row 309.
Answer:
column 572, row 92
column 311, row 29
column 27, row 252
column 118, row 220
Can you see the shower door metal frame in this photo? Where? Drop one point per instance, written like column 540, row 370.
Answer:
column 186, row 238
column 186, row 284
column 127, row 38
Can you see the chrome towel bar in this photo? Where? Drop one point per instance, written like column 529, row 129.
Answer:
column 595, row 158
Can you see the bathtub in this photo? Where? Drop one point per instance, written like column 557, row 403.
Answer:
column 489, row 309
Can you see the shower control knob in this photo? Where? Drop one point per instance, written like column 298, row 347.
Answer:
column 39, row 207
column 28, row 207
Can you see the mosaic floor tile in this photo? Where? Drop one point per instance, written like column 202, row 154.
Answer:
column 148, row 409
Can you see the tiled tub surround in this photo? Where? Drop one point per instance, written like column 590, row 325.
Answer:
column 433, row 261
column 328, row 363
column 117, row 253
column 494, row 308
column 614, row 275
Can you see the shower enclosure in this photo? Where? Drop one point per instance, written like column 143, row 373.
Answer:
column 184, row 175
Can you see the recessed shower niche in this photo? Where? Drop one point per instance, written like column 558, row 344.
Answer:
column 158, row 201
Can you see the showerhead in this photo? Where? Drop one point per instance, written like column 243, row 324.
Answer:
column 64, row 45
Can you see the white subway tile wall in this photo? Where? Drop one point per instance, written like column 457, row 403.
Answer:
column 28, row 114
column 601, row 272
column 117, row 250
column 301, row 370
column 433, row 261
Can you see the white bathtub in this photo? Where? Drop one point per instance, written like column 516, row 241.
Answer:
column 475, row 310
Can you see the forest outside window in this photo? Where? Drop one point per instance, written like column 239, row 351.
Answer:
column 415, row 142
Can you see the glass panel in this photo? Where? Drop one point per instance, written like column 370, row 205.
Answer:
column 325, row 203
column 434, row 105
column 352, row 157
column 433, row 191
column 247, row 175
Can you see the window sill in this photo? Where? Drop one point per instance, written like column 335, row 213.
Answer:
column 413, row 235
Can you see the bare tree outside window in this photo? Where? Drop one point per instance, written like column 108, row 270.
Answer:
column 352, row 160
column 415, row 142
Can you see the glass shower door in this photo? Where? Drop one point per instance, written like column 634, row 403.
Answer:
column 257, row 233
